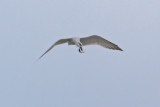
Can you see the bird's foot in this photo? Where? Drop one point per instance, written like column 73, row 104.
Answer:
column 81, row 50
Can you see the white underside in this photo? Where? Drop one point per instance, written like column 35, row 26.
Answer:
column 77, row 42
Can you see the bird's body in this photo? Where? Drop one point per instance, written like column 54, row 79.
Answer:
column 80, row 42
column 76, row 41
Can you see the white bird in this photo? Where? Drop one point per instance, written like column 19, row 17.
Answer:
column 80, row 42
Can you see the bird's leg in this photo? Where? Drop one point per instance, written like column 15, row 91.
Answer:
column 81, row 50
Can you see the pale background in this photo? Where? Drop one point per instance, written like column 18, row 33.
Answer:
column 66, row 78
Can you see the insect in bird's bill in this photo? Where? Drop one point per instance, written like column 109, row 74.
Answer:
column 85, row 41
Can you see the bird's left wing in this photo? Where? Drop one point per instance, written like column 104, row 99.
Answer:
column 97, row 40
column 61, row 41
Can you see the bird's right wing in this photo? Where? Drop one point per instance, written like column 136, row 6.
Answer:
column 97, row 40
column 61, row 41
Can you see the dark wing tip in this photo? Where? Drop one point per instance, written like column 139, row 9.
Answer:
column 41, row 56
column 120, row 49
column 45, row 53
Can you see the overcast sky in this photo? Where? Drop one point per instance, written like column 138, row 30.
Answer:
column 66, row 78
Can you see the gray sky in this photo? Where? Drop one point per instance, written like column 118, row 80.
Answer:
column 66, row 78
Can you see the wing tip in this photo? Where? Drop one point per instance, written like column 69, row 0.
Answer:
column 41, row 56
column 120, row 49
column 117, row 48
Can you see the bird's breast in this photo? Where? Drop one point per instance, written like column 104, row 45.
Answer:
column 76, row 40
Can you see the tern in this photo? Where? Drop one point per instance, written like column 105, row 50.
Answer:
column 85, row 41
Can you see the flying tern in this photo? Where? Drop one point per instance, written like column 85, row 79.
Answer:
column 85, row 41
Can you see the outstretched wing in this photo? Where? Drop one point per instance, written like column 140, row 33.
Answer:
column 97, row 40
column 61, row 41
